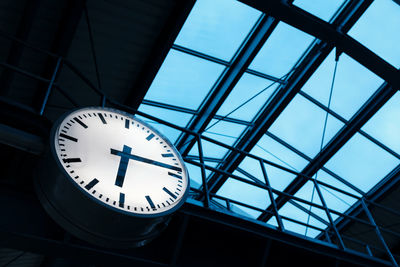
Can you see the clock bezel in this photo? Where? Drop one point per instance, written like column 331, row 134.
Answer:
column 53, row 138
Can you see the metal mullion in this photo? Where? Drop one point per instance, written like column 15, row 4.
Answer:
column 312, row 214
column 302, row 223
column 203, row 173
column 285, row 94
column 168, row 106
column 331, row 221
column 50, row 86
column 374, row 103
column 378, row 233
column 308, row 178
column 200, row 55
column 304, row 156
column 265, row 76
column 206, row 159
column 236, row 202
column 192, row 112
column 329, row 33
column 340, row 118
column 228, row 80
column 271, row 196
column 280, row 193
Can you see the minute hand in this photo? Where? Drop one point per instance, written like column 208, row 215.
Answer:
column 145, row 160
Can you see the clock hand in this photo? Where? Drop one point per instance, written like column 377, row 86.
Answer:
column 123, row 165
column 124, row 154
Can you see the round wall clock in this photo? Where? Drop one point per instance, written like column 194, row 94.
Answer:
column 110, row 178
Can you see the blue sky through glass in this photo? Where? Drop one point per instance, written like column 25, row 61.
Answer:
column 217, row 28
column 301, row 125
column 378, row 29
column 354, row 84
column 249, row 194
column 175, row 117
column 278, row 55
column 323, row 9
column 362, row 163
column 385, row 126
column 249, row 86
column 183, row 80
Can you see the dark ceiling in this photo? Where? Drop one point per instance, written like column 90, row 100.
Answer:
column 57, row 55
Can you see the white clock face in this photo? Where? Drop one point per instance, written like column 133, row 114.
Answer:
column 120, row 161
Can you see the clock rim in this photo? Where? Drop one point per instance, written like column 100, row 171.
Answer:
column 54, row 154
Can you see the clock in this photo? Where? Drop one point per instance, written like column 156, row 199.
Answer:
column 110, row 178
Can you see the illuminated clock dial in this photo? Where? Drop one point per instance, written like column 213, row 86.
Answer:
column 121, row 161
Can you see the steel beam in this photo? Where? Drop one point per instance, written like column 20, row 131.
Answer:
column 329, row 33
column 158, row 52
column 27, row 227
column 374, row 103
column 375, row 195
column 228, row 80
column 285, row 93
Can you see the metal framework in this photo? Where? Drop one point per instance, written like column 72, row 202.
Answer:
column 332, row 240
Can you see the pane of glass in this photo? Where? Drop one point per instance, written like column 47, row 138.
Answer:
column 362, row 163
column 250, row 88
column 385, row 126
column 301, row 125
column 327, row 178
column 267, row 148
column 252, row 167
column 278, row 55
column 378, row 29
column 175, row 117
column 322, row 9
column 244, row 211
column 218, row 27
column 354, row 84
column 180, row 85
column 209, row 150
column 245, row 193
column 308, row 193
column 295, row 213
column 194, row 175
column 223, row 131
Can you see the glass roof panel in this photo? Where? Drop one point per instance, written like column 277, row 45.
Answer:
column 278, row 55
column 385, row 126
column 378, row 29
column 252, row 167
column 334, row 199
column 301, row 125
column 217, row 28
column 322, row 9
column 209, row 150
column 293, row 212
column 178, row 85
column 224, row 131
column 269, row 149
column 249, row 194
column 175, row 117
column 354, row 84
column 250, row 88
column 362, row 163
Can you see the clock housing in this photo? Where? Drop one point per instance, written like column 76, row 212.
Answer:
column 110, row 178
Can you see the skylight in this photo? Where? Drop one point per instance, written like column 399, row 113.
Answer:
column 218, row 30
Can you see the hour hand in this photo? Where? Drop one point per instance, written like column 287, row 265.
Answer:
column 145, row 160
column 123, row 165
